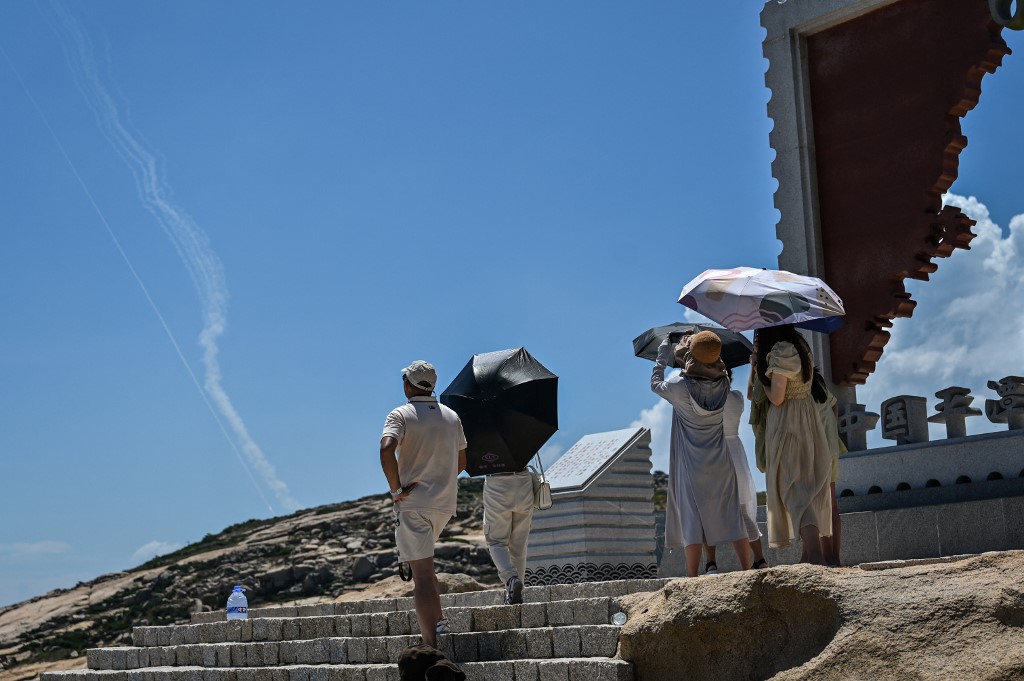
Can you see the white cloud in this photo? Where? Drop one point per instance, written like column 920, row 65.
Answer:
column 39, row 548
column 153, row 549
column 967, row 329
column 659, row 419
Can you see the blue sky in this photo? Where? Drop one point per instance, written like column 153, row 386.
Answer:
column 306, row 198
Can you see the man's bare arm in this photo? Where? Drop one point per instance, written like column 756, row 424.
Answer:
column 389, row 464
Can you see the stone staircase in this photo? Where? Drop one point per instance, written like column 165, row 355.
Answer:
column 560, row 633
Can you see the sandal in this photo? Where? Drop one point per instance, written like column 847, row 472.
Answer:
column 711, row 568
column 761, row 564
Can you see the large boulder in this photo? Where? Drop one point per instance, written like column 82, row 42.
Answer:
column 953, row 620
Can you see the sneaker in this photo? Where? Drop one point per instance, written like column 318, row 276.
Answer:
column 443, row 627
column 711, row 568
column 513, row 591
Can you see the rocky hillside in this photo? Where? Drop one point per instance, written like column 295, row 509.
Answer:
column 318, row 553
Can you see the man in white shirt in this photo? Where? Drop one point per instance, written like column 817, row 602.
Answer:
column 422, row 452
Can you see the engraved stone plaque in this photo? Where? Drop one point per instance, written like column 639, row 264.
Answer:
column 588, row 457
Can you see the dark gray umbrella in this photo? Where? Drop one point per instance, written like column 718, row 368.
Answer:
column 508, row 404
column 736, row 348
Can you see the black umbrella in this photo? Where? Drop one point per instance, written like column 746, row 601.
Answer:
column 736, row 348
column 508, row 403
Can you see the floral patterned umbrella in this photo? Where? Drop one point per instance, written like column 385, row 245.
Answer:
column 747, row 298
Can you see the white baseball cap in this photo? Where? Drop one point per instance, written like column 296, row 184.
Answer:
column 421, row 375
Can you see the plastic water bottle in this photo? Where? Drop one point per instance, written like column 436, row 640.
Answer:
column 238, row 604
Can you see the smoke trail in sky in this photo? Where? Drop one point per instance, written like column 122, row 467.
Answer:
column 191, row 243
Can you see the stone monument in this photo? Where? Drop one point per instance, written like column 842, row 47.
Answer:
column 601, row 525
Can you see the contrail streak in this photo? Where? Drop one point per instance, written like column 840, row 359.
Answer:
column 190, row 242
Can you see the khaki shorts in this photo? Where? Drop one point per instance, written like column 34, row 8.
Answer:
column 417, row 531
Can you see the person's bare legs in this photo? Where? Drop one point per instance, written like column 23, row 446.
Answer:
column 742, row 548
column 757, row 550
column 709, row 555
column 830, row 545
column 427, row 598
column 693, row 552
column 811, row 540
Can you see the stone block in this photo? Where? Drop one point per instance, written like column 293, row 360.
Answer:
column 209, row 655
column 859, row 541
column 377, row 649
column 565, row 641
column 538, row 643
column 488, row 646
column 223, row 655
column 602, row 641
column 405, row 603
column 496, row 618
column 513, row 644
column 501, row 671
column 342, row 626
column 212, row 633
column 563, row 592
column 396, row 644
column 269, row 653
column 290, row 630
column 308, row 610
column 907, row 533
column 377, row 672
column 191, row 635
column 337, row 651
column 315, row 627
column 536, row 594
column 287, row 652
column 590, row 611
column 348, row 608
column 378, row 605
column 298, row 673
column 360, row 625
column 246, row 632
column 263, row 674
column 971, row 527
column 163, row 636
column 533, row 615
column 526, row 670
column 553, row 670
column 447, row 601
column 465, row 647
column 446, row 644
column 275, row 628
column 357, row 651
column 99, row 658
column 559, row 613
column 238, row 655
column 397, row 623
column 1013, row 520
column 379, row 624
column 600, row 670
column 460, row 619
column 177, row 635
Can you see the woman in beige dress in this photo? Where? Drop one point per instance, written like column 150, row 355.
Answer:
column 798, row 460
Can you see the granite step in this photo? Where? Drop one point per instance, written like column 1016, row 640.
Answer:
column 486, row 646
column 581, row 611
column 555, row 669
column 531, row 594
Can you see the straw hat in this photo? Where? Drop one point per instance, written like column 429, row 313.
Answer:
column 706, row 347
